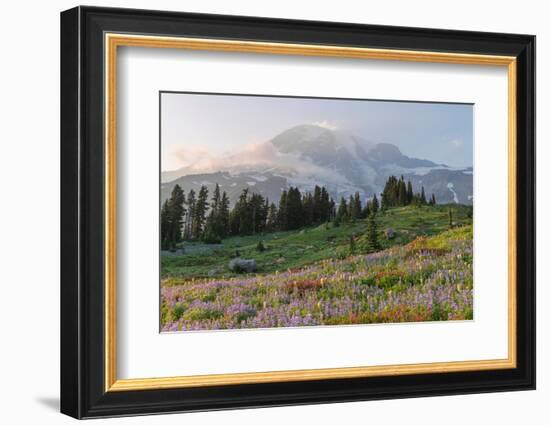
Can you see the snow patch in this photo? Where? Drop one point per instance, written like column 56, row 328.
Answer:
column 251, row 183
column 451, row 186
column 259, row 178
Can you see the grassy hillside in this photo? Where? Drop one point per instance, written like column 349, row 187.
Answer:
column 296, row 249
column 430, row 278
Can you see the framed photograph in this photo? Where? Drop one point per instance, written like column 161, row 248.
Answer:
column 261, row 212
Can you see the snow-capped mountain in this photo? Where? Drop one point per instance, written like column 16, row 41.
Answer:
column 309, row 155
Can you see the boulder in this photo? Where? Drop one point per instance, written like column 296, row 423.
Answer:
column 390, row 233
column 240, row 265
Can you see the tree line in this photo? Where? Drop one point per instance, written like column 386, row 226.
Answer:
column 353, row 209
column 196, row 217
column 193, row 217
column 397, row 193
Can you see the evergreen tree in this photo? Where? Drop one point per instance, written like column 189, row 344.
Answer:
column 372, row 234
column 241, row 217
column 326, row 206
column 450, row 218
column 210, row 235
column 356, row 208
column 351, row 202
column 215, row 227
column 199, row 213
column 308, row 207
column 294, row 209
column 342, row 214
column 176, row 212
column 398, row 193
column 224, row 216
column 390, row 194
column 165, row 226
column 257, row 213
column 282, row 213
column 422, row 197
column 188, row 225
column 410, row 193
column 318, row 215
column 366, row 211
column 216, row 199
column 374, row 204
column 271, row 224
column 402, row 198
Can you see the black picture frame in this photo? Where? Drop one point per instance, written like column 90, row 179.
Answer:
column 83, row 392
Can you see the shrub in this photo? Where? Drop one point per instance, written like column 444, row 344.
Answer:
column 301, row 286
column 177, row 312
column 202, row 314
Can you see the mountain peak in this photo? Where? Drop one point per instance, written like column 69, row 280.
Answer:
column 304, row 138
column 385, row 152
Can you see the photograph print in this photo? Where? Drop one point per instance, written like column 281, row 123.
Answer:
column 280, row 212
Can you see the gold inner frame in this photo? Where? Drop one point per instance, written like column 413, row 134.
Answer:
column 113, row 41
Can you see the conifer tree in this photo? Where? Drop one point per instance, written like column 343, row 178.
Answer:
column 422, row 197
column 410, row 193
column 317, row 206
column 271, row 224
column 215, row 212
column 199, row 213
column 342, row 214
column 374, row 204
column 351, row 207
column 176, row 212
column 372, row 234
column 450, row 218
column 241, row 215
column 216, row 198
column 308, row 208
column 402, row 193
column 357, row 207
column 294, row 209
column 326, row 206
column 257, row 213
column 282, row 213
column 188, row 226
column 214, row 229
column 366, row 211
column 224, row 215
column 165, row 226
column 209, row 235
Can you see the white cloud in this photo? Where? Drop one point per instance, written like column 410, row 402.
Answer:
column 260, row 156
column 326, row 124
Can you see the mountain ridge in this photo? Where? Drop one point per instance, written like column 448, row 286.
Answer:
column 308, row 155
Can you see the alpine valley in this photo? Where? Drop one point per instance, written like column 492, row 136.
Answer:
column 309, row 155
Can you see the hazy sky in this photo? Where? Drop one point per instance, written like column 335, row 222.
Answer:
column 198, row 125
